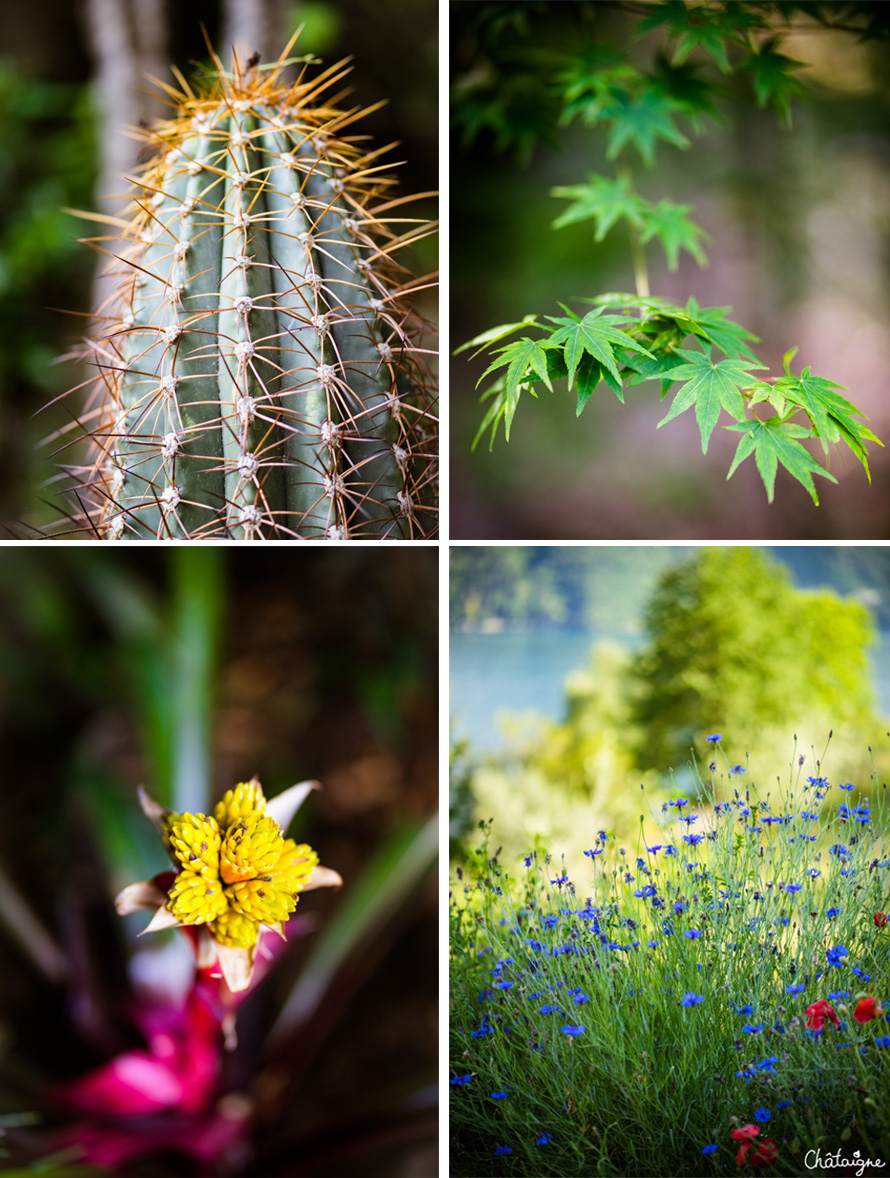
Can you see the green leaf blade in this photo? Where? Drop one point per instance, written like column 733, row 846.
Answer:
column 774, row 442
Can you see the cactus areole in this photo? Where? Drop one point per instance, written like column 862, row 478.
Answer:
column 261, row 374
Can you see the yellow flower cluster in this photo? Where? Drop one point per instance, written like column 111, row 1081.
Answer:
column 238, row 872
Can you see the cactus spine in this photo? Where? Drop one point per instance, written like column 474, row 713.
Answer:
column 261, row 374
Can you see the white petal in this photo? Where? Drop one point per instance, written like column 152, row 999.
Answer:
column 206, row 954
column 236, row 965
column 154, row 810
column 136, row 896
column 322, row 877
column 283, row 807
column 162, row 919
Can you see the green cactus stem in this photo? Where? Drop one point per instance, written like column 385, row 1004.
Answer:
column 261, row 373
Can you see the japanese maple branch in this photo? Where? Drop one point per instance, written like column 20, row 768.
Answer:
column 638, row 254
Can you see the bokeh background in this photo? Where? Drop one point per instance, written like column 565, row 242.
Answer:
column 798, row 222
column 73, row 78
column 579, row 673
column 187, row 671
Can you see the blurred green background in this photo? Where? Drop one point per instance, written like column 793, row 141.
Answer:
column 186, row 671
column 605, row 666
column 52, row 115
column 798, row 224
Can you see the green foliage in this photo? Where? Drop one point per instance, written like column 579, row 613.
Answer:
column 48, row 162
column 637, row 1027
column 638, row 112
column 733, row 643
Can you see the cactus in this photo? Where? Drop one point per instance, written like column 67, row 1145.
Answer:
column 261, row 374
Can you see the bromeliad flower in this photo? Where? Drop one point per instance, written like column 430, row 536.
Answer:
column 236, row 874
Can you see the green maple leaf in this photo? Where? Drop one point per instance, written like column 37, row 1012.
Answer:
column 773, row 442
column 692, row 94
column 520, row 356
column 590, row 374
column 772, row 78
column 711, row 325
column 710, row 386
column 604, row 200
column 596, row 334
column 524, row 359
column 653, row 368
column 822, row 404
column 673, row 228
column 641, row 119
column 833, row 416
column 480, row 342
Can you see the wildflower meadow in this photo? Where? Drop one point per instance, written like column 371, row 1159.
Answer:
column 698, row 1002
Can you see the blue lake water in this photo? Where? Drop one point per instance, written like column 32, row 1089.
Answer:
column 494, row 674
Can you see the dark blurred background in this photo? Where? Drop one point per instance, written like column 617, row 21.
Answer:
column 73, row 77
column 798, row 223
column 187, row 671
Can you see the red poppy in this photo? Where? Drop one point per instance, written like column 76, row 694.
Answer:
column 818, row 1013
column 766, row 1152
column 745, row 1135
column 880, row 919
column 867, row 1009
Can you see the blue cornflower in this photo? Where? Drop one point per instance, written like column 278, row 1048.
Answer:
column 818, row 782
column 461, row 1080
column 746, row 1009
column 709, row 1148
column 839, row 850
column 693, row 839
column 528, row 860
column 783, row 1104
column 502, row 1149
column 689, row 818
column 549, row 1009
column 838, row 995
column 544, row 1139
column 883, row 1041
column 738, row 769
column 593, row 854
column 762, row 1114
column 567, row 1030
column 580, row 998
column 692, row 999
column 498, row 1095
column 670, row 850
column 752, row 1030
column 834, row 955
column 832, row 913
column 866, row 977
column 646, row 892
column 799, row 989
column 678, row 802
column 601, row 836
column 713, row 740
column 692, row 933
column 504, row 985
column 847, row 787
column 654, row 850
column 792, row 888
